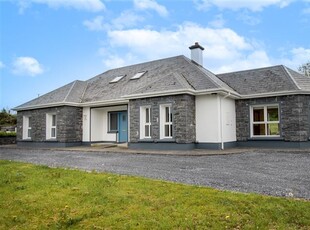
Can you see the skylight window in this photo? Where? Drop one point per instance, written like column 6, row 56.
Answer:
column 138, row 75
column 117, row 79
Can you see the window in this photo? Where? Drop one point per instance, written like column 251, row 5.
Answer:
column 51, row 126
column 113, row 123
column 117, row 79
column 138, row 75
column 166, row 121
column 145, row 122
column 27, row 125
column 265, row 121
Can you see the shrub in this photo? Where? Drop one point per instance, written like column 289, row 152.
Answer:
column 9, row 134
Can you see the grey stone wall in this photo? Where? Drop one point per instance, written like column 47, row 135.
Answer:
column 183, row 110
column 294, row 116
column 69, row 124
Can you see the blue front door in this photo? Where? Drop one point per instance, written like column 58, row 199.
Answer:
column 123, row 127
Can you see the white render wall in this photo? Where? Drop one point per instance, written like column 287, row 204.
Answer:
column 215, row 119
column 95, row 123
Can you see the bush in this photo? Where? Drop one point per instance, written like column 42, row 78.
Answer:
column 9, row 134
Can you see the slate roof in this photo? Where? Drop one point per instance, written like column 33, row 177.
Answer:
column 170, row 75
column 273, row 79
column 165, row 75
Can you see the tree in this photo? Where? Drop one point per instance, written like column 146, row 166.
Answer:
column 6, row 118
column 305, row 69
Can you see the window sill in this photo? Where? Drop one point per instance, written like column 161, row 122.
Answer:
column 113, row 132
column 265, row 139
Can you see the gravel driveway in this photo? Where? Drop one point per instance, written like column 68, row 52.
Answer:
column 273, row 173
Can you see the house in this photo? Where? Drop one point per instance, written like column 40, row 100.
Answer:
column 173, row 103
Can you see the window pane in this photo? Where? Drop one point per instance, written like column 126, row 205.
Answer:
column 166, row 130
column 147, row 130
column 259, row 129
column 53, row 120
column 272, row 114
column 113, row 122
column 29, row 122
column 147, row 115
column 167, row 113
column 258, row 114
column 170, row 130
column 53, row 134
column 273, row 129
column 29, row 133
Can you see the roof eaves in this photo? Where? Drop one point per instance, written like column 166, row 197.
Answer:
column 274, row 94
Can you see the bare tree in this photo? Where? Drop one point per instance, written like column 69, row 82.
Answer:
column 305, row 69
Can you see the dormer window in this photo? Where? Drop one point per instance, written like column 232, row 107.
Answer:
column 117, row 79
column 138, row 75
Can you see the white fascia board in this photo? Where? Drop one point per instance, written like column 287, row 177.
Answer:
column 86, row 104
column 274, row 94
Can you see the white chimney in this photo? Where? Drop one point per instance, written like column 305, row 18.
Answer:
column 196, row 53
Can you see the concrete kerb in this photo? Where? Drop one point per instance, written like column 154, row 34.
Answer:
column 121, row 149
column 196, row 152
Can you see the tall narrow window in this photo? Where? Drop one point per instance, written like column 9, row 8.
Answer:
column 51, row 126
column 166, row 121
column 265, row 121
column 27, row 126
column 113, row 121
column 145, row 122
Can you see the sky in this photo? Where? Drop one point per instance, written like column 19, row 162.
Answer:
column 45, row 44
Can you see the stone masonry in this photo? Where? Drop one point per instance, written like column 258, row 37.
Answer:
column 183, row 112
column 69, row 124
column 294, row 116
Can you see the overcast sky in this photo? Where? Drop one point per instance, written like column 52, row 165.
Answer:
column 45, row 44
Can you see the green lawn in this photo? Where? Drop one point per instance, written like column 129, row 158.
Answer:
column 39, row 197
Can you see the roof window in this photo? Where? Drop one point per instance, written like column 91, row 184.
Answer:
column 117, row 79
column 138, row 75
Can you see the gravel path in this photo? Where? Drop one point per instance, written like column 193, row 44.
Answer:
column 273, row 173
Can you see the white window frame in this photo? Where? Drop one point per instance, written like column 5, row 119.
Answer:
column 265, row 121
column 50, row 126
column 26, row 128
column 144, row 123
column 164, row 122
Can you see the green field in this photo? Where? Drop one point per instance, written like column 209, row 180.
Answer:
column 39, row 197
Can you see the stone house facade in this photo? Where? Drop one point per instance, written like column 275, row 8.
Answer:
column 173, row 103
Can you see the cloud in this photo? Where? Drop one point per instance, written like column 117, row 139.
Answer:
column 306, row 11
column 296, row 57
column 246, row 18
column 95, row 24
column 28, row 66
column 1, row 65
column 225, row 50
column 151, row 5
column 87, row 5
column 218, row 22
column 253, row 5
column 126, row 19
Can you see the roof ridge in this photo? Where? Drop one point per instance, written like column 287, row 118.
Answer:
column 82, row 96
column 291, row 77
column 73, row 84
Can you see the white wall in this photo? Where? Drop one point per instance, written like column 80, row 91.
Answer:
column 210, row 111
column 229, row 120
column 207, row 119
column 96, row 128
column 86, row 124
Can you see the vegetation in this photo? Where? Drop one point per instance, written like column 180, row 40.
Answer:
column 7, row 134
column 39, row 197
column 305, row 69
column 7, row 119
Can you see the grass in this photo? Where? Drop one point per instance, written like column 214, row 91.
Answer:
column 39, row 197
